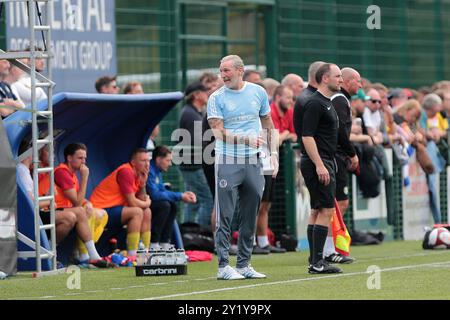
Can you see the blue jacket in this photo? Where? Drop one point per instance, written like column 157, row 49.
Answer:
column 155, row 186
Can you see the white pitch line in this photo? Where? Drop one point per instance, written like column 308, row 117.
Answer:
column 203, row 279
column 430, row 253
column 292, row 281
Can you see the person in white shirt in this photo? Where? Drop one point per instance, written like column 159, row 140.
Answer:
column 372, row 116
column 22, row 87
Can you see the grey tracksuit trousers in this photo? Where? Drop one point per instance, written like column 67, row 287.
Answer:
column 239, row 184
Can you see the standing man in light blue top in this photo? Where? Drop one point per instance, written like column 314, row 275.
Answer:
column 239, row 115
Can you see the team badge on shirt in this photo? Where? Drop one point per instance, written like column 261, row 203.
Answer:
column 230, row 106
column 223, row 183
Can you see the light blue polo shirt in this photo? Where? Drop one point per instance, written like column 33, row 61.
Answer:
column 241, row 111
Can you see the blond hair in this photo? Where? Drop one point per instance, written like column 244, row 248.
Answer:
column 409, row 105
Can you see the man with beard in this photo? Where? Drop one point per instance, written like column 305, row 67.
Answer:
column 294, row 82
column 319, row 136
column 306, row 93
column 237, row 114
column 70, row 195
column 122, row 194
column 282, row 113
column 7, row 97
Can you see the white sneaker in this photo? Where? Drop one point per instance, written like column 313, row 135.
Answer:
column 250, row 273
column 228, row 273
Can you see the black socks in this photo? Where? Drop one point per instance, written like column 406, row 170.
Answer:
column 319, row 236
column 309, row 232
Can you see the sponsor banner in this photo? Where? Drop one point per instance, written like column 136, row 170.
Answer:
column 83, row 40
column 161, row 270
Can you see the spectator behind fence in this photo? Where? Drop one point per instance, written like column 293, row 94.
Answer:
column 107, row 85
column 397, row 97
column 444, row 85
column 373, row 119
column 365, row 83
column 445, row 96
column 211, row 81
column 151, row 142
column 386, row 112
column 191, row 154
column 434, row 128
column 22, row 85
column 407, row 118
column 423, row 91
column 295, row 82
column 7, row 97
column 71, row 193
column 270, row 85
column 357, row 107
column 252, row 76
column 133, row 87
column 122, row 194
column 164, row 207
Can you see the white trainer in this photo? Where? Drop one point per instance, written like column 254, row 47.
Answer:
column 228, row 273
column 250, row 273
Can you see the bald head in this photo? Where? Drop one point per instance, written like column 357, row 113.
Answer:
column 293, row 81
column 313, row 67
column 352, row 80
column 349, row 73
column 374, row 103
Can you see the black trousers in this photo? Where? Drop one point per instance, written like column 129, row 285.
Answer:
column 163, row 216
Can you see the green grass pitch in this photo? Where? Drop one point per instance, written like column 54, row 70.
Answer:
column 406, row 272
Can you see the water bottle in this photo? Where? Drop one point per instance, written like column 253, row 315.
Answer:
column 171, row 256
column 142, row 257
column 152, row 257
column 180, row 257
column 159, row 257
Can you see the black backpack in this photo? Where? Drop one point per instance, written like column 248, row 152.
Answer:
column 288, row 242
column 369, row 178
column 195, row 237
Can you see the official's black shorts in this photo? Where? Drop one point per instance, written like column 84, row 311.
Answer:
column 269, row 189
column 342, row 179
column 322, row 196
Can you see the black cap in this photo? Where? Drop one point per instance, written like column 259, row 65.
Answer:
column 194, row 86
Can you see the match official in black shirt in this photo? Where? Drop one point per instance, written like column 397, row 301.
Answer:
column 318, row 130
column 306, row 93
